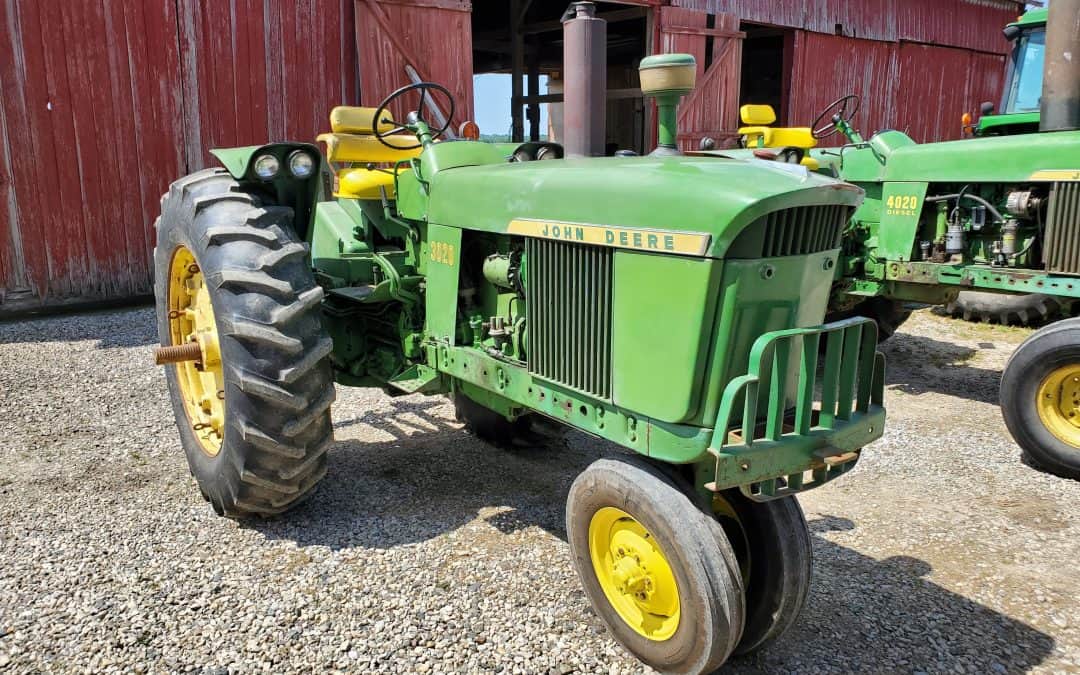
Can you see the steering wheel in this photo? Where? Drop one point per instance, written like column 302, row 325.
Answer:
column 842, row 109
column 414, row 117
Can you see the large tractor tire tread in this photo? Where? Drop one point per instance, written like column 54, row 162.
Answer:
column 1033, row 309
column 278, row 382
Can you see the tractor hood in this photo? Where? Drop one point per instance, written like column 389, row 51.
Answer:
column 993, row 159
column 717, row 197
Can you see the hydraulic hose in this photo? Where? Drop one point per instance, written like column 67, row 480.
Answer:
column 959, row 195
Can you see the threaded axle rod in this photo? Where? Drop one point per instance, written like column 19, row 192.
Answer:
column 178, row 353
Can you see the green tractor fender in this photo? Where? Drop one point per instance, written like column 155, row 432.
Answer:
column 296, row 183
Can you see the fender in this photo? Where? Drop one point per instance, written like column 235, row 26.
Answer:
column 284, row 189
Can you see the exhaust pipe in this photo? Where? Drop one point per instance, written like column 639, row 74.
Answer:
column 584, row 81
column 1060, row 105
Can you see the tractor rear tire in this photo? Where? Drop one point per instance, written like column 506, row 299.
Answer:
column 772, row 543
column 628, row 521
column 887, row 314
column 277, row 381
column 1031, row 309
column 1040, row 398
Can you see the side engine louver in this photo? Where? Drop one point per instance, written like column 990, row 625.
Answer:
column 568, row 296
column 1062, row 252
column 796, row 231
column 802, row 230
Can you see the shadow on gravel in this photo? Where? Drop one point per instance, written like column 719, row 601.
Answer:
column 863, row 614
column 109, row 328
column 918, row 365
column 430, row 479
column 868, row 615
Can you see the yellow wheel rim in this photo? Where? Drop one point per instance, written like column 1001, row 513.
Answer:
column 634, row 573
column 191, row 319
column 1059, row 404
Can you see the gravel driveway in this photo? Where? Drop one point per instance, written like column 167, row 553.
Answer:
column 425, row 550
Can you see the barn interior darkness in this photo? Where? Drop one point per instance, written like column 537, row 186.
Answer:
column 526, row 36
column 764, row 68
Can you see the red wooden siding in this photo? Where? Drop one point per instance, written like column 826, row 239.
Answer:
column 432, row 36
column 973, row 24
column 90, row 136
column 102, row 104
column 827, row 67
column 916, row 88
column 712, row 108
column 258, row 70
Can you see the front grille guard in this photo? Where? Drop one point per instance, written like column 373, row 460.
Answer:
column 794, row 450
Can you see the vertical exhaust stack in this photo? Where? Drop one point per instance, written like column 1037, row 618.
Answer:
column 1060, row 105
column 584, row 81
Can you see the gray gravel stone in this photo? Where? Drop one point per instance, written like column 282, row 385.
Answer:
column 427, row 551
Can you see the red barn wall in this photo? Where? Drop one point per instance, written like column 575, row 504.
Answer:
column 920, row 89
column 104, row 103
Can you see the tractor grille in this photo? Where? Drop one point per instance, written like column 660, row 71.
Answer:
column 1062, row 252
column 568, row 296
column 802, row 230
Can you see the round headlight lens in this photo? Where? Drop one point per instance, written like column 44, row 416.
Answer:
column 267, row 166
column 301, row 164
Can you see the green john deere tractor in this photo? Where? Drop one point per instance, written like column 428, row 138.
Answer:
column 623, row 297
column 998, row 213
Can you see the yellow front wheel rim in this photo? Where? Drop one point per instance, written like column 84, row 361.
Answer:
column 191, row 319
column 1059, row 404
column 634, row 574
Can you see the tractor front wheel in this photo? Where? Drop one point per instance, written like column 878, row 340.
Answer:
column 658, row 570
column 238, row 317
column 1040, row 398
column 775, row 554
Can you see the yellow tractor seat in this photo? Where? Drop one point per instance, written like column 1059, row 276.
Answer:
column 354, row 148
column 364, row 183
column 346, row 119
column 351, row 142
column 759, row 135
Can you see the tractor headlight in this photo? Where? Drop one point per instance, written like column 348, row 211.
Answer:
column 301, row 164
column 267, row 166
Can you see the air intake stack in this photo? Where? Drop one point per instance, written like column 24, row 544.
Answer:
column 1060, row 107
column 667, row 77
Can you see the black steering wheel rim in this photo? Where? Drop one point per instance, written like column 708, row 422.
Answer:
column 423, row 87
column 820, row 131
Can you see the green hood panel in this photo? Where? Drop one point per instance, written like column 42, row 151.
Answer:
column 714, row 196
column 993, row 159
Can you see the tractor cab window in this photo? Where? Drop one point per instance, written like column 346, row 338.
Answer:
column 1025, row 87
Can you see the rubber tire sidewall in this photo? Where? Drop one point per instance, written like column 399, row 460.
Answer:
column 1043, row 352
column 704, row 564
column 176, row 229
column 781, row 557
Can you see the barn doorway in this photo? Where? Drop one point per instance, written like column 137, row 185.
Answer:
column 525, row 36
column 766, row 65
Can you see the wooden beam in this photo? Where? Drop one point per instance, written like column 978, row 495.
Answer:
column 534, row 90
column 556, row 24
column 612, row 95
column 695, row 30
column 517, row 70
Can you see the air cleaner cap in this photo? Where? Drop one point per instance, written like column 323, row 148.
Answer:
column 668, row 74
